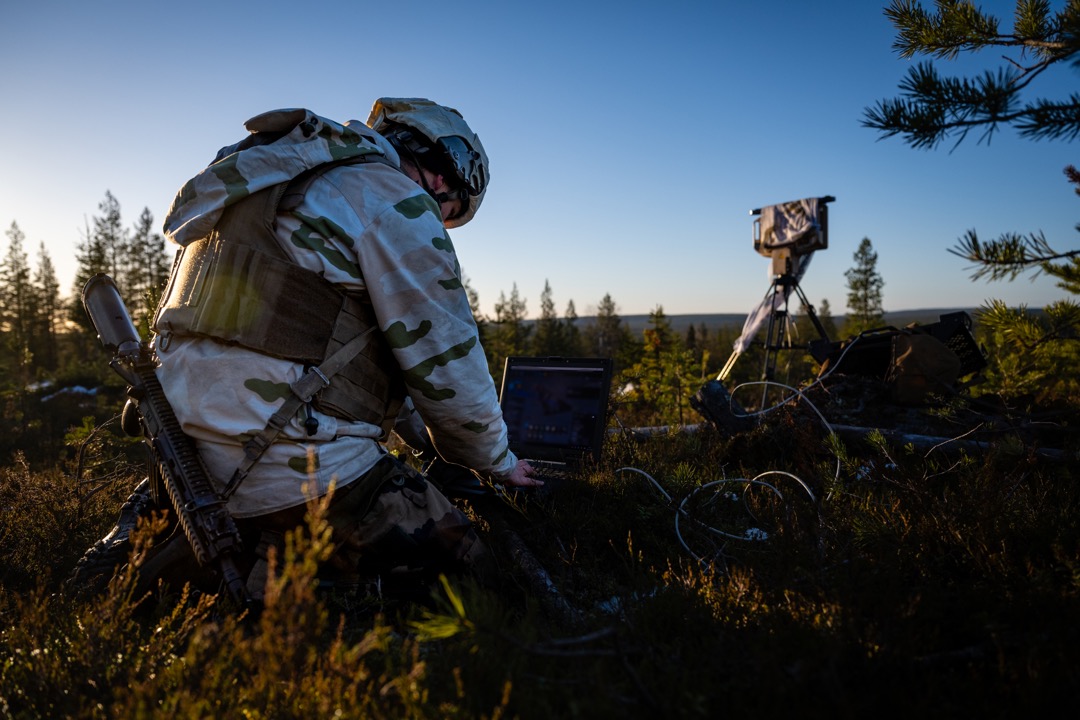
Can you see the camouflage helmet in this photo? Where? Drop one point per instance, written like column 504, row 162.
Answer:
column 446, row 145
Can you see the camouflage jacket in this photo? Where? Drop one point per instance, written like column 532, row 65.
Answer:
column 365, row 226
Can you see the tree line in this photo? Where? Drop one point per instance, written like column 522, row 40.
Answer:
column 55, row 373
column 56, row 376
column 37, row 319
column 53, row 370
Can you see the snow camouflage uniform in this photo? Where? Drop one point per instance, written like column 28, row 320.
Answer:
column 364, row 227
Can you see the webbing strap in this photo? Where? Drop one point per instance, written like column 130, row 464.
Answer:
column 286, row 196
column 312, row 381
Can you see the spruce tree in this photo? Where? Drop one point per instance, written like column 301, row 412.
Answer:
column 509, row 334
column 607, row 336
column 691, row 339
column 146, row 271
column 664, row 377
column 16, row 308
column 548, row 334
column 95, row 253
column 700, row 344
column 16, row 327
column 48, row 315
column 114, row 242
column 828, row 323
column 573, row 332
column 864, row 286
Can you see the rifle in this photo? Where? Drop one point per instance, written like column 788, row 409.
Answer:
column 200, row 511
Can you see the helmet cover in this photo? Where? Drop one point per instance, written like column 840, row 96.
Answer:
column 459, row 155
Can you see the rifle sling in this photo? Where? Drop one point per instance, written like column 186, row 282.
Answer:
column 312, row 381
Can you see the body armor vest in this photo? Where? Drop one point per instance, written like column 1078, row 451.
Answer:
column 238, row 286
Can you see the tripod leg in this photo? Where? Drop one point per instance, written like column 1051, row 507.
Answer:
column 728, row 366
column 812, row 314
column 773, row 342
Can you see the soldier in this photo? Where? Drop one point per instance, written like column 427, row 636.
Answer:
column 315, row 257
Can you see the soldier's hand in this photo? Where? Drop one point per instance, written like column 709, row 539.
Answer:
column 522, row 476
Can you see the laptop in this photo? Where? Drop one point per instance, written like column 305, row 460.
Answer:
column 555, row 409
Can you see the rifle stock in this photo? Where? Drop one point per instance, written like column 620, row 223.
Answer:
column 200, row 510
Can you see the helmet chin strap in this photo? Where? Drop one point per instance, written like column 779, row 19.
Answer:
column 439, row 198
column 404, row 142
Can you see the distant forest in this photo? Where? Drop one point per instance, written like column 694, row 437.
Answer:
column 680, row 323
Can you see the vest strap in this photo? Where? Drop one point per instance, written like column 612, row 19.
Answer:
column 311, row 382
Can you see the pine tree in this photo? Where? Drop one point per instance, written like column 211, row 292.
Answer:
column 697, row 341
column 1011, row 254
column 664, row 377
column 932, row 108
column 607, row 336
column 654, row 373
column 864, row 286
column 1032, row 355
column 99, row 250
column 573, row 332
column 16, row 308
column 827, row 321
column 48, row 312
column 16, row 328
column 115, row 243
column 510, row 334
column 146, row 271
column 548, row 336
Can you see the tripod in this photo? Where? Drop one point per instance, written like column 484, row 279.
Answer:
column 788, row 234
column 778, row 336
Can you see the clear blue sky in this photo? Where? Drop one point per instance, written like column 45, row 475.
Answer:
column 628, row 140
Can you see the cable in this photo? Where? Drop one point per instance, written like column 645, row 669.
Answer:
column 682, row 510
column 751, row 534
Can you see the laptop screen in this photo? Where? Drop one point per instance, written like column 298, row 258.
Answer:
column 556, row 408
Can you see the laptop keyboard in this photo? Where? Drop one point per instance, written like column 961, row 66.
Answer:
column 549, row 471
